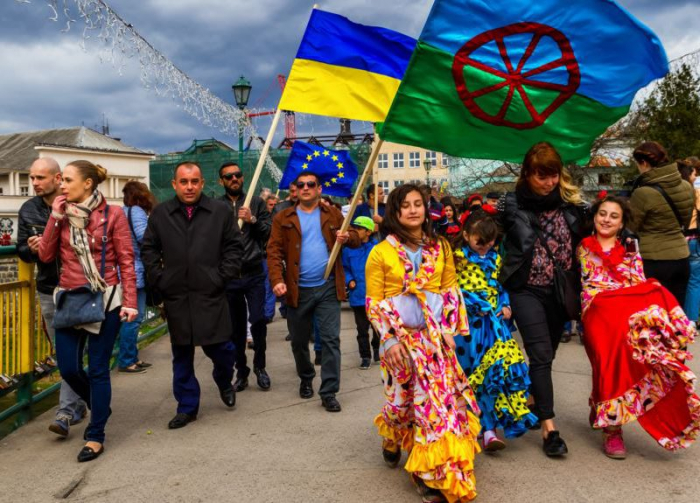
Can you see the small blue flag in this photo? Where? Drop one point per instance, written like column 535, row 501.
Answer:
column 335, row 168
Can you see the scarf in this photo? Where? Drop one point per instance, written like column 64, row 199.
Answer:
column 414, row 283
column 611, row 259
column 536, row 203
column 79, row 218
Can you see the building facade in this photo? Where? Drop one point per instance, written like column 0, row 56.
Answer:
column 19, row 150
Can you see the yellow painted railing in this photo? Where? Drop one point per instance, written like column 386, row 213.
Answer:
column 22, row 338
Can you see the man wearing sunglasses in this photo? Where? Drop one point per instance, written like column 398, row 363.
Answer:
column 302, row 237
column 246, row 292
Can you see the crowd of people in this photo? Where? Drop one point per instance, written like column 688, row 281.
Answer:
column 437, row 290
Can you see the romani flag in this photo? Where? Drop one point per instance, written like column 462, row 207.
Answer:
column 489, row 78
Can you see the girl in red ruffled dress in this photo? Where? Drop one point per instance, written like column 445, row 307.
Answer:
column 636, row 337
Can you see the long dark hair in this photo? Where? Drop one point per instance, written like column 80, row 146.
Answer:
column 137, row 194
column 481, row 223
column 651, row 152
column 391, row 224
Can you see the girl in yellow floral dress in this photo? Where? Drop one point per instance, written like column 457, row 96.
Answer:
column 414, row 302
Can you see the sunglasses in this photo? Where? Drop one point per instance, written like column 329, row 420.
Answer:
column 311, row 185
column 229, row 176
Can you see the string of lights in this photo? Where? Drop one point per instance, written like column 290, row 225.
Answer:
column 118, row 42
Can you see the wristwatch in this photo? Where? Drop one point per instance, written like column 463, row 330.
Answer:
column 253, row 220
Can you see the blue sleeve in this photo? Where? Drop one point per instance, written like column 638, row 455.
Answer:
column 347, row 266
column 362, row 211
column 140, row 221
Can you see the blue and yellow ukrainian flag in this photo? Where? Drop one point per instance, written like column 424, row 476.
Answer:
column 344, row 69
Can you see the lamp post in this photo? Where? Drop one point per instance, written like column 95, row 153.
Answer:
column 427, row 164
column 241, row 92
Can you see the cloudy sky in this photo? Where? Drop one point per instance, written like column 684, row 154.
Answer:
column 48, row 81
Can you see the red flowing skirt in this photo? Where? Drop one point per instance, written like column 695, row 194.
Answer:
column 635, row 338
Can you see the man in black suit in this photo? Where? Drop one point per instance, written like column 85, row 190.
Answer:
column 191, row 250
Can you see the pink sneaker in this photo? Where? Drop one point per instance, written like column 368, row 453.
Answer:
column 613, row 445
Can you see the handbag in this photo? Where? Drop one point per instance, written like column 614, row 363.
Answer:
column 82, row 305
column 153, row 296
column 567, row 284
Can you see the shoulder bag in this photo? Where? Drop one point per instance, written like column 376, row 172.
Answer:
column 82, row 305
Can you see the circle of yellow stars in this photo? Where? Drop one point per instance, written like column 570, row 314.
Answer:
column 334, row 158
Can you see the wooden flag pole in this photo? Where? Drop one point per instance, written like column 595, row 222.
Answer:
column 375, row 179
column 353, row 204
column 261, row 162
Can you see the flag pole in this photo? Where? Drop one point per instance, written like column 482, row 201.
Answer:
column 375, row 179
column 261, row 162
column 353, row 204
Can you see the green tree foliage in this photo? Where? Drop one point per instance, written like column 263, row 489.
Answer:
column 671, row 114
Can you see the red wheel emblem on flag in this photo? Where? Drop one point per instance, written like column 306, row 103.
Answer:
column 516, row 79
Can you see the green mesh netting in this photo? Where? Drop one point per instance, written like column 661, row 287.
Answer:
column 211, row 154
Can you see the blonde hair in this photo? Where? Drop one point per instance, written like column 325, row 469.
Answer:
column 89, row 171
column 543, row 159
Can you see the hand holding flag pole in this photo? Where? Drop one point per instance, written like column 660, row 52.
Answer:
column 353, row 204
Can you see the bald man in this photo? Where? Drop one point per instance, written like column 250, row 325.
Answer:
column 45, row 175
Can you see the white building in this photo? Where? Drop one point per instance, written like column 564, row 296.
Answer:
column 19, row 150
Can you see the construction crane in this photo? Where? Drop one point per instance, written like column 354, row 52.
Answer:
column 289, row 117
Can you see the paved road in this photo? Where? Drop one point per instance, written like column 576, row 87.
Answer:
column 276, row 447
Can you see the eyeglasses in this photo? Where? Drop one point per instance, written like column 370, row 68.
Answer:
column 311, row 185
column 229, row 176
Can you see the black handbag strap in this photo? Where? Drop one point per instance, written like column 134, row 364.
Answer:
column 670, row 203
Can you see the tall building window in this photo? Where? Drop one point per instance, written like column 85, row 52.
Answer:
column 24, row 190
column 384, row 184
column 445, row 160
column 429, row 154
column 414, row 159
column 383, row 161
column 398, row 183
column 398, row 160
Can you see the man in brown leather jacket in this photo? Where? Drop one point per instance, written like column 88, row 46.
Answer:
column 301, row 239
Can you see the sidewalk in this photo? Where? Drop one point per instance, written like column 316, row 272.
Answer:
column 276, row 447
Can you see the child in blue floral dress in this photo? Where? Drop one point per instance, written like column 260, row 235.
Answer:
column 489, row 355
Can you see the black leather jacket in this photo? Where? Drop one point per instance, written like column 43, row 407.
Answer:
column 255, row 235
column 33, row 216
column 519, row 238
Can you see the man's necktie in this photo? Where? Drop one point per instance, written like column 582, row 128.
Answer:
column 190, row 212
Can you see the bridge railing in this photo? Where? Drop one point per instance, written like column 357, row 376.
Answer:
column 26, row 352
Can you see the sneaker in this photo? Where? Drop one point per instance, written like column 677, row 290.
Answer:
column 613, row 445
column 492, row 443
column 61, row 425
column 365, row 364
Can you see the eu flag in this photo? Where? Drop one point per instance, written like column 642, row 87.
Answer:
column 335, row 168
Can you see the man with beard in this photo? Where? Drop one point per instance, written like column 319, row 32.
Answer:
column 45, row 175
column 246, row 292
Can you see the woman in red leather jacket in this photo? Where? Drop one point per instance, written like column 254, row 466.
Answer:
column 75, row 233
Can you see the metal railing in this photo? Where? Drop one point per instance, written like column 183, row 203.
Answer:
column 25, row 349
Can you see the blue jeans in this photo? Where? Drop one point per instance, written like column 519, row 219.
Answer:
column 129, row 334
column 94, row 386
column 692, row 295
column 270, row 298
column 69, row 403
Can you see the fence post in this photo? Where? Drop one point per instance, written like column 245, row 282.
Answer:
column 27, row 316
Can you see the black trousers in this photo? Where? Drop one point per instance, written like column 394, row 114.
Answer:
column 540, row 321
column 363, row 325
column 672, row 274
column 246, row 296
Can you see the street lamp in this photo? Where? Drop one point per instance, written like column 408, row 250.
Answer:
column 241, row 92
column 427, row 164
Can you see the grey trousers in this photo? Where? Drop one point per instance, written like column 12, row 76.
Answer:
column 69, row 403
column 322, row 305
